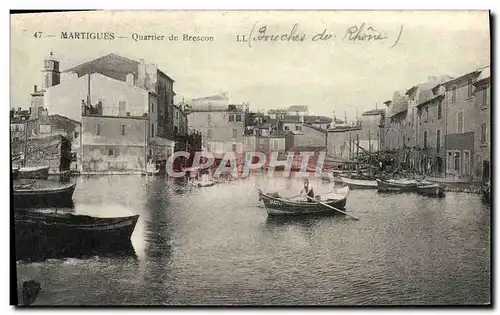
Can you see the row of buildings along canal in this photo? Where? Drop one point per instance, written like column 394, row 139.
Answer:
column 114, row 115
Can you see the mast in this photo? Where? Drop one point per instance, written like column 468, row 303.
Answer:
column 357, row 150
column 350, row 145
column 88, row 90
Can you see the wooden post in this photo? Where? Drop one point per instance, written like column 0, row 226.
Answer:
column 369, row 141
column 25, row 143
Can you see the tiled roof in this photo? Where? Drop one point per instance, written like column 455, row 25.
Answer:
column 211, row 98
column 374, row 112
column 399, row 103
column 485, row 74
column 430, row 99
column 111, row 65
column 297, row 108
column 317, row 119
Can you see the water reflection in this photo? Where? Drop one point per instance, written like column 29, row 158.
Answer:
column 215, row 246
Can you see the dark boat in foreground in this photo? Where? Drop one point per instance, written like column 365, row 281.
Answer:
column 45, row 232
column 30, row 197
column 15, row 173
column 276, row 205
column 34, row 172
column 431, row 190
column 397, row 185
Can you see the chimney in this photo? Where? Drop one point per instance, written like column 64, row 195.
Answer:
column 130, row 79
column 35, row 88
column 19, row 109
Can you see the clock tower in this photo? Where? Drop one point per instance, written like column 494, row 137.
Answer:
column 52, row 75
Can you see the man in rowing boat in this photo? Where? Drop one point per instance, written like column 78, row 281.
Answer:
column 308, row 189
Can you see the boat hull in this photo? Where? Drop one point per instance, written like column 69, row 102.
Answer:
column 431, row 190
column 385, row 186
column 33, row 172
column 15, row 173
column 39, row 233
column 359, row 183
column 279, row 206
column 41, row 198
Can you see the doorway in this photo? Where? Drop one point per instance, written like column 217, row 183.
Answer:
column 486, row 171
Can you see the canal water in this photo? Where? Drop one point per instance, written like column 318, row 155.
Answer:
column 215, row 245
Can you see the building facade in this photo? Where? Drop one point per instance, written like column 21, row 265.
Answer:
column 430, row 139
column 308, row 137
column 460, row 125
column 482, row 139
column 222, row 130
column 114, row 144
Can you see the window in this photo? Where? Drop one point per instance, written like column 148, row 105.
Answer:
column 287, row 128
column 238, row 117
column 231, row 118
column 425, row 139
column 176, row 115
column 466, row 168
column 298, row 127
column 235, row 132
column 45, row 128
column 460, row 122
column 449, row 157
column 439, row 111
column 456, row 161
column 276, row 144
column 235, row 147
column 484, row 93
column 152, row 107
column 438, row 140
column 122, row 107
column 469, row 88
column 123, row 129
column 111, row 152
column 483, row 133
column 152, row 130
column 98, row 130
column 209, row 118
column 453, row 94
column 76, row 134
column 209, row 134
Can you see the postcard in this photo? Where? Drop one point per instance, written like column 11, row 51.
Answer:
column 251, row 158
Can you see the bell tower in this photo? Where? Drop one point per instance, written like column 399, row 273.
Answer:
column 52, row 75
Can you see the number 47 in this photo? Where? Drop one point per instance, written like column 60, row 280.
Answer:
column 37, row 35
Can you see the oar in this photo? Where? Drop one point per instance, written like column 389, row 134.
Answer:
column 333, row 208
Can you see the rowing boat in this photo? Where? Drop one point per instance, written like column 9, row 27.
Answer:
column 43, row 232
column 393, row 185
column 431, row 190
column 277, row 205
column 34, row 172
column 29, row 197
column 359, row 183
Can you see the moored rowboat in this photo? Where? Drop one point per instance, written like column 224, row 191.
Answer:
column 396, row 185
column 276, row 205
column 431, row 190
column 35, row 172
column 40, row 232
column 28, row 197
column 359, row 183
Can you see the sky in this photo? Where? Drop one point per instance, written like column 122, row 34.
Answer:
column 335, row 75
